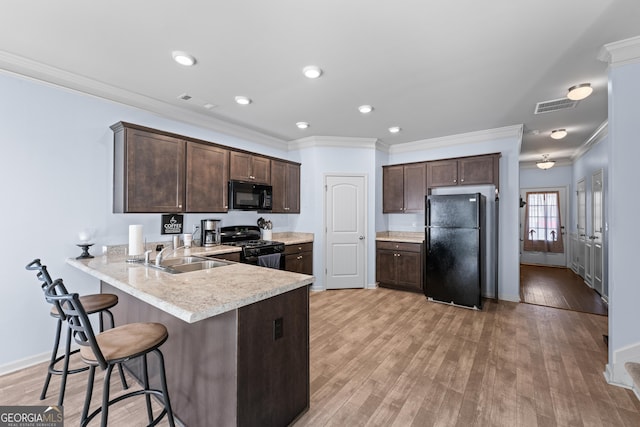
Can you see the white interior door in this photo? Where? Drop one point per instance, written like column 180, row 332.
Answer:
column 597, row 209
column 345, row 207
column 545, row 258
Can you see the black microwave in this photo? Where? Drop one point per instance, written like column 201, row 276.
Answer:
column 249, row 197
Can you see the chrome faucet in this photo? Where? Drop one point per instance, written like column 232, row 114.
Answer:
column 160, row 256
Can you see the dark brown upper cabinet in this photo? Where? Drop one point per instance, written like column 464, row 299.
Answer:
column 148, row 171
column 207, row 176
column 162, row 172
column 404, row 188
column 464, row 171
column 249, row 167
column 285, row 180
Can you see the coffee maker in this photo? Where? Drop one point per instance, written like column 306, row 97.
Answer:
column 210, row 229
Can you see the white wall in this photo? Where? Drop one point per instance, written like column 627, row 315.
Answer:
column 348, row 156
column 56, row 171
column 623, row 206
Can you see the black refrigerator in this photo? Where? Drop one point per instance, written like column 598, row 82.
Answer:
column 455, row 245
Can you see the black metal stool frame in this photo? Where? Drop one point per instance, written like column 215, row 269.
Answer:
column 43, row 275
column 79, row 323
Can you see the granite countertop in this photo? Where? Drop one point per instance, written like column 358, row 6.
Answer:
column 400, row 236
column 195, row 295
column 291, row 238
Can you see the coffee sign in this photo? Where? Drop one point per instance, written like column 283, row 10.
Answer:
column 172, row 224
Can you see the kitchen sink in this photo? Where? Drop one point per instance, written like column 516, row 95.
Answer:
column 187, row 264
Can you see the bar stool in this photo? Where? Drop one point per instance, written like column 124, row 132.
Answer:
column 110, row 348
column 94, row 303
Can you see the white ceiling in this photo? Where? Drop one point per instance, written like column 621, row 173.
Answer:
column 434, row 68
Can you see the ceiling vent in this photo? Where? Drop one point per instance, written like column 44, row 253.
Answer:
column 184, row 97
column 555, row 105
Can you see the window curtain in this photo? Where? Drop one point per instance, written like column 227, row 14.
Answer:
column 542, row 224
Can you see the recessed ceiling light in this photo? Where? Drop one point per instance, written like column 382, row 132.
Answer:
column 578, row 92
column 243, row 100
column 558, row 133
column 209, row 106
column 302, row 125
column 394, row 129
column 364, row 109
column 183, row 58
column 312, row 71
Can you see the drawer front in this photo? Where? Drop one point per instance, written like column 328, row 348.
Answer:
column 298, row 248
column 399, row 246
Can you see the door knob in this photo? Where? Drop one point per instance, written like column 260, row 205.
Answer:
column 361, row 237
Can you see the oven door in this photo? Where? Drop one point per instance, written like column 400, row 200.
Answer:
column 269, row 260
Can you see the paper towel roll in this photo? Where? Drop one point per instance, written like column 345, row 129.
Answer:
column 136, row 244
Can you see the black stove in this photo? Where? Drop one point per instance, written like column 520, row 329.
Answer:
column 248, row 238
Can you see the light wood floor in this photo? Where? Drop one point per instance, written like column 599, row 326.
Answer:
column 560, row 288
column 390, row 358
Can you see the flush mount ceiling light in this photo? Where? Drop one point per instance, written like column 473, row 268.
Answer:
column 364, row 109
column 243, row 100
column 183, row 58
column 394, row 129
column 578, row 92
column 545, row 163
column 302, row 125
column 312, row 71
column 558, row 133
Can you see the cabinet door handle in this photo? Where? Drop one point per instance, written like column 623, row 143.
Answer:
column 462, row 180
column 300, row 257
column 455, row 180
column 361, row 237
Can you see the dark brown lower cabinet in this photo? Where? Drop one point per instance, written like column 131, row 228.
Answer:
column 245, row 367
column 399, row 265
column 273, row 360
column 299, row 258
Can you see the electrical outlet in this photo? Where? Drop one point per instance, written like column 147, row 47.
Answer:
column 277, row 328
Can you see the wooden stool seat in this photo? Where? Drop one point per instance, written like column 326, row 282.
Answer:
column 126, row 341
column 93, row 303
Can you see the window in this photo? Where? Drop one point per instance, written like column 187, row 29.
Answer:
column 543, row 226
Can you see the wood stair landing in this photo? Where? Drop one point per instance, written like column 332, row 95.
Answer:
column 633, row 369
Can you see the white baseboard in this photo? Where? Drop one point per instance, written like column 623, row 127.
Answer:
column 615, row 373
column 25, row 363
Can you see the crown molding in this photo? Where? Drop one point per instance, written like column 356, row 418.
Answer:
column 55, row 77
column 595, row 138
column 621, row 52
column 511, row 132
column 334, row 142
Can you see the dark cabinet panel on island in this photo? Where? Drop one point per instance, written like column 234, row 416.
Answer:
column 244, row 367
column 273, row 360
